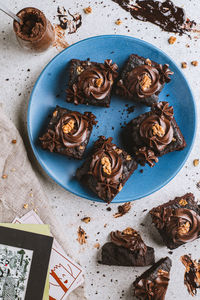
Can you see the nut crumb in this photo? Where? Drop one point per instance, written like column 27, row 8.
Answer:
column 25, row 205
column 106, row 165
column 67, row 128
column 14, row 141
column 123, row 209
column 172, row 40
column 81, row 147
column 88, row 10
column 118, row 22
column 194, row 63
column 195, row 162
column 99, row 82
column 105, row 225
column 86, row 219
column 4, row 176
column 128, row 157
column 81, row 236
column 120, row 187
column 184, row 65
column 158, row 130
column 79, row 70
column 183, row 202
column 97, row 245
column 148, row 61
column 55, row 113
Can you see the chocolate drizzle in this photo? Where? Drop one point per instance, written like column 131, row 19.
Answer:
column 155, row 289
column 145, row 80
column 129, row 238
column 165, row 14
column 93, row 82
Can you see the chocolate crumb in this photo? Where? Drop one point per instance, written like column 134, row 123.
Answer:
column 108, row 208
column 172, row 40
column 196, row 162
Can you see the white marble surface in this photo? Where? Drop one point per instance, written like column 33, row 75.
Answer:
column 102, row 282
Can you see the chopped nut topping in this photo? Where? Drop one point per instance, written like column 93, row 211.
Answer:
column 4, row 176
column 88, row 10
column 99, row 82
column 184, row 65
column 148, row 61
column 145, row 82
column 128, row 157
column 26, row 205
column 69, row 126
column 119, row 151
column 158, row 130
column 86, row 219
column 81, row 236
column 195, row 162
column 172, row 40
column 55, row 113
column 14, row 141
column 120, row 187
column 79, row 70
column 129, row 231
column 118, row 22
column 183, row 229
column 106, row 165
column 122, row 210
column 183, row 202
column 97, row 245
column 194, row 63
column 163, row 273
column 81, row 147
column 173, row 139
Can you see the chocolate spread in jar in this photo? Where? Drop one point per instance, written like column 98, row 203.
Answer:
column 35, row 31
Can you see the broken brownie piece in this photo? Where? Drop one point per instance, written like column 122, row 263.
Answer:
column 177, row 221
column 107, row 169
column 91, row 82
column 142, row 80
column 154, row 134
column 192, row 274
column 127, row 249
column 153, row 283
column 68, row 132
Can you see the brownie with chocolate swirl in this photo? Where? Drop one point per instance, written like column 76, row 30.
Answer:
column 142, row 80
column 68, row 132
column 106, row 170
column 177, row 221
column 91, row 82
column 126, row 248
column 153, row 134
column 153, row 283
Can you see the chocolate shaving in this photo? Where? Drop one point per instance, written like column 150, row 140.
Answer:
column 123, row 209
column 68, row 21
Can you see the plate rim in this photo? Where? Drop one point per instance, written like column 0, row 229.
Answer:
column 79, row 194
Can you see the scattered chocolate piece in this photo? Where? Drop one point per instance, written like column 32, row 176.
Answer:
column 81, row 236
column 126, row 249
column 153, row 283
column 192, row 274
column 88, row 10
column 172, row 40
column 177, row 221
column 198, row 185
column 184, row 65
column 123, row 209
column 196, row 162
column 194, row 63
column 86, row 219
column 108, row 208
column 69, row 21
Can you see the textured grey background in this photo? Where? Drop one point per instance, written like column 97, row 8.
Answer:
column 102, row 282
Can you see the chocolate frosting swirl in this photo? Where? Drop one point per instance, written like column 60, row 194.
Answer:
column 129, row 239
column 49, row 141
column 184, row 225
column 77, row 135
column 153, row 290
column 163, row 110
column 157, row 141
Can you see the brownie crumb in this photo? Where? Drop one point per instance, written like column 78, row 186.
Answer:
column 86, row 219
column 123, row 209
column 196, row 162
column 118, row 22
column 81, row 236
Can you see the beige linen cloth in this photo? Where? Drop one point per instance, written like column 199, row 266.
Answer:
column 18, row 181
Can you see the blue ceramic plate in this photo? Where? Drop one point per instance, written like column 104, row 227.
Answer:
column 49, row 91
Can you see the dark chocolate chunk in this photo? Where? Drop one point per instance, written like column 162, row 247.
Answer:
column 68, row 132
column 127, row 249
column 106, row 170
column 153, row 283
column 177, row 221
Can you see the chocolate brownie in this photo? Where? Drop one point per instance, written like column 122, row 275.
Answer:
column 177, row 221
column 68, row 132
column 153, row 283
column 142, row 80
column 154, row 134
column 107, row 169
column 91, row 82
column 191, row 276
column 127, row 249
